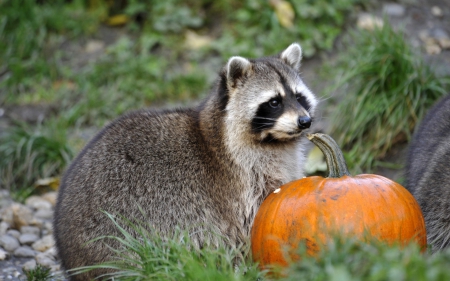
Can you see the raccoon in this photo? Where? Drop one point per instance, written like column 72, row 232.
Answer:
column 427, row 172
column 204, row 168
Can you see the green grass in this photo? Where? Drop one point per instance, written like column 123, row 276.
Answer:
column 27, row 31
column 28, row 154
column 40, row 273
column 149, row 257
column 353, row 261
column 386, row 89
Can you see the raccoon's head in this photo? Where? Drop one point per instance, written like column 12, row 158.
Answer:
column 267, row 99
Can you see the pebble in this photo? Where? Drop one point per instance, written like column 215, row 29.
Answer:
column 38, row 203
column 394, row 9
column 30, row 230
column 44, row 244
column 4, row 226
column 29, row 265
column 24, row 252
column 3, row 254
column 9, row 243
column 368, row 21
column 436, row 11
column 17, row 215
column 14, row 233
column 28, row 238
column 51, row 197
column 45, row 259
column 46, row 214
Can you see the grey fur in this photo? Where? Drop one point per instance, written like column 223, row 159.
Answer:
column 428, row 172
column 191, row 168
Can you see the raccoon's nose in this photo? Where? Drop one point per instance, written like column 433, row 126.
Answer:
column 304, row 122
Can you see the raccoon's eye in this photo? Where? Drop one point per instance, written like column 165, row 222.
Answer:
column 274, row 103
column 302, row 101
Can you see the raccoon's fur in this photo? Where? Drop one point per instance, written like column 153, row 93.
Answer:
column 207, row 167
column 428, row 172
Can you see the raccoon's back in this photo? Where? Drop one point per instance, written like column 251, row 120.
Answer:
column 429, row 144
column 155, row 162
column 428, row 172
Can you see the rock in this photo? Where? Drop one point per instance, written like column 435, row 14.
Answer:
column 47, row 228
column 436, row 11
column 5, row 198
column 3, row 254
column 44, row 244
column 444, row 43
column 4, row 226
column 52, row 252
column 17, row 215
column 14, row 233
column 28, row 238
column 441, row 37
column 10, row 273
column 433, row 49
column 94, row 46
column 29, row 265
column 51, row 197
column 56, row 267
column 369, row 22
column 38, row 203
column 45, row 214
column 9, row 243
column 45, row 260
column 30, row 230
column 25, row 252
column 394, row 9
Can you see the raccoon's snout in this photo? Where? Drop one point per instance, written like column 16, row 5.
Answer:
column 304, row 122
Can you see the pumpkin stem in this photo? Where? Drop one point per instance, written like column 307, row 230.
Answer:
column 333, row 155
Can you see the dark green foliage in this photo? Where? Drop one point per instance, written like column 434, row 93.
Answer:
column 40, row 273
column 387, row 89
column 151, row 257
column 25, row 30
column 28, row 154
column 347, row 260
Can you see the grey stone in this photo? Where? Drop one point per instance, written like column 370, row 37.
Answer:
column 44, row 214
column 9, row 243
column 45, row 260
column 394, row 9
column 25, row 252
column 44, row 244
column 30, row 230
column 28, row 238
column 38, row 203
column 3, row 254
column 439, row 33
column 29, row 265
column 4, row 226
column 52, row 252
column 14, row 233
column 51, row 197
column 17, row 215
column 47, row 227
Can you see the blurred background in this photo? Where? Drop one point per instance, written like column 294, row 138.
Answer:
column 67, row 68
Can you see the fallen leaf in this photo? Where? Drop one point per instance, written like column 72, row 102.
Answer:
column 284, row 12
column 195, row 41
column 117, row 20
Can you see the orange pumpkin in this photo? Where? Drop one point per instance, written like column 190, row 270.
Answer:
column 315, row 209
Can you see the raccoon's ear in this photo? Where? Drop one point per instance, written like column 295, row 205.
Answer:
column 292, row 56
column 237, row 67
